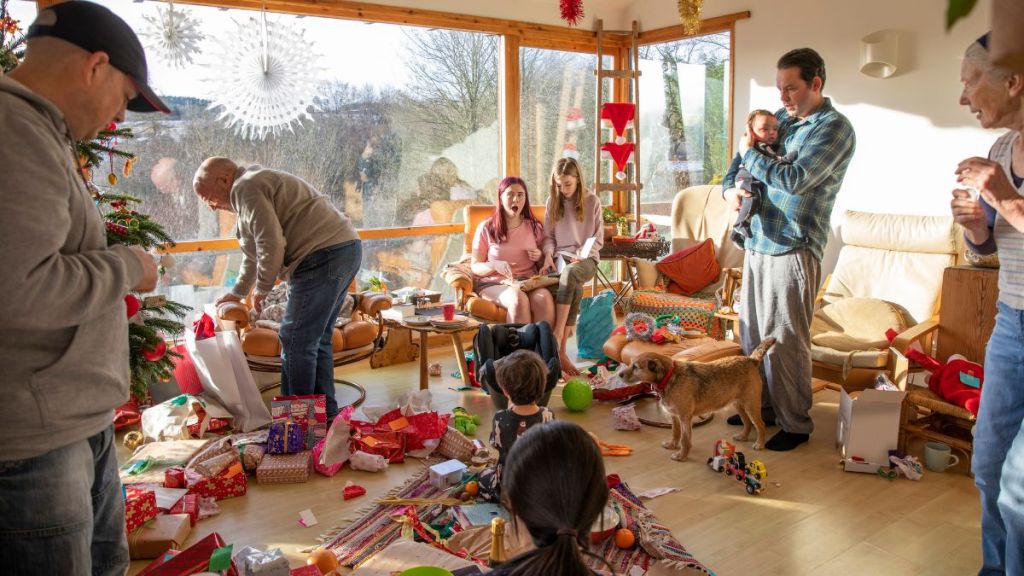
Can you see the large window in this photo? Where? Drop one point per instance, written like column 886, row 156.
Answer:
column 556, row 114
column 684, row 116
column 402, row 131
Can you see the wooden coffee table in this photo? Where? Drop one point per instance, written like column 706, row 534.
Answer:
column 455, row 333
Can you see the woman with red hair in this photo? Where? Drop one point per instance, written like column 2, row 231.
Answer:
column 507, row 247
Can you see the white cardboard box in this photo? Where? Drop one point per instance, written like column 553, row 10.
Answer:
column 868, row 427
column 447, row 474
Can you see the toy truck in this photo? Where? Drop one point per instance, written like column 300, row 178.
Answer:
column 726, row 459
column 723, row 451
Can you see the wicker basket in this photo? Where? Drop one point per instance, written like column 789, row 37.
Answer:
column 455, row 445
column 648, row 249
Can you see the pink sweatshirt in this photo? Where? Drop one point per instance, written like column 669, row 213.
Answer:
column 569, row 234
column 513, row 250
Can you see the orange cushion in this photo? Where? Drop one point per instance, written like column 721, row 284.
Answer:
column 692, row 268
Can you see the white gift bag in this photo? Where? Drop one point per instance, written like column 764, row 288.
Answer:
column 226, row 377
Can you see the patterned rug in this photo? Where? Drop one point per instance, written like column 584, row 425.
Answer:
column 373, row 529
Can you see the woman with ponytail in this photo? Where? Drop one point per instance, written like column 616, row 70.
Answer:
column 554, row 483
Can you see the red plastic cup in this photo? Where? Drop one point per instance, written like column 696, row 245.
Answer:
column 449, row 311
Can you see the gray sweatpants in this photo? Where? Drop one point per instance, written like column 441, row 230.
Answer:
column 778, row 301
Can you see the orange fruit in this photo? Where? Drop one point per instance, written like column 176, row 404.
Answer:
column 472, row 488
column 324, row 560
column 624, row 538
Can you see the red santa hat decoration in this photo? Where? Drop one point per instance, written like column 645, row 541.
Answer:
column 618, row 116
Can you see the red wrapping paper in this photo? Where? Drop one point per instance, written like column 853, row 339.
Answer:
column 174, row 477
column 189, row 504
column 195, row 558
column 390, row 445
column 139, row 507
column 228, row 484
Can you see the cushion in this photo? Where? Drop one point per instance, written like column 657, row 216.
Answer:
column 693, row 313
column 854, row 324
column 692, row 268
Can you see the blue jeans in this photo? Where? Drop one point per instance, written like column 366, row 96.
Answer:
column 998, row 461
column 63, row 512
column 316, row 291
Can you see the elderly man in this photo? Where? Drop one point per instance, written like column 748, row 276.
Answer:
column 64, row 346
column 782, row 268
column 288, row 231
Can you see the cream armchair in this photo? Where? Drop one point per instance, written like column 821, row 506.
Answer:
column 888, row 276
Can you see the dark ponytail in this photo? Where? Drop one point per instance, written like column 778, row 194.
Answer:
column 554, row 482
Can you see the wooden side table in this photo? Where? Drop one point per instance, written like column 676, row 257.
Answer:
column 460, row 352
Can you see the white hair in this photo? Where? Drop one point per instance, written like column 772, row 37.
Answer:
column 977, row 55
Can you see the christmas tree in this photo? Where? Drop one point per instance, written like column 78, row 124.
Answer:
column 154, row 318
column 12, row 40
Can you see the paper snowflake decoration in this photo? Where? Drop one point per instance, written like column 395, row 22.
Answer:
column 266, row 78
column 172, row 35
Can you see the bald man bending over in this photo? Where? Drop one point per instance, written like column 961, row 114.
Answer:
column 288, row 231
column 64, row 346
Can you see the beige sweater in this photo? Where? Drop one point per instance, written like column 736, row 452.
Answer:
column 281, row 220
column 64, row 337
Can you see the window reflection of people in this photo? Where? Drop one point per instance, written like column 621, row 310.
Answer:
column 507, row 246
column 448, row 173
column 993, row 222
column 174, row 206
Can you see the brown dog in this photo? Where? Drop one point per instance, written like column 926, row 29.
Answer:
column 698, row 387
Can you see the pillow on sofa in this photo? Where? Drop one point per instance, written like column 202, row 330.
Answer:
column 691, row 269
column 853, row 324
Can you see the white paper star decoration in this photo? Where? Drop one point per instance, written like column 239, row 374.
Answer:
column 172, row 35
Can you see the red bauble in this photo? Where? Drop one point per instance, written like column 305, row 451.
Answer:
column 132, row 304
column 572, row 11
column 154, row 352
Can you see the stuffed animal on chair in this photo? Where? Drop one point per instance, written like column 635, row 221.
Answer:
column 957, row 381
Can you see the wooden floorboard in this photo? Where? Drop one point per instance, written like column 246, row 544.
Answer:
column 817, row 520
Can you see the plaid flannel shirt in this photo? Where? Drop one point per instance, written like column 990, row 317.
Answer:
column 796, row 210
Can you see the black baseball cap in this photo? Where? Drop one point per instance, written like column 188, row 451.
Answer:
column 95, row 28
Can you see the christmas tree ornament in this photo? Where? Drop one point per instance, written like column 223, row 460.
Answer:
column 155, row 352
column 572, row 11
column 132, row 305
column 266, row 78
column 172, row 35
column 689, row 15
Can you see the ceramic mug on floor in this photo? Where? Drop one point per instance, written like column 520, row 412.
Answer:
column 938, row 457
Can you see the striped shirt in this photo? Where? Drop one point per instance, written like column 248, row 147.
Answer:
column 797, row 208
column 1004, row 237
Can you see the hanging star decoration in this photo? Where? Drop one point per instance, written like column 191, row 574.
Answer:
column 689, row 15
column 172, row 35
column 265, row 78
column 572, row 11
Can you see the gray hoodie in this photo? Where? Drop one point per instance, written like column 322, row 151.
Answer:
column 63, row 327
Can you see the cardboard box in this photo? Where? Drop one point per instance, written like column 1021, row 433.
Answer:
column 867, row 428
column 163, row 533
column 447, row 474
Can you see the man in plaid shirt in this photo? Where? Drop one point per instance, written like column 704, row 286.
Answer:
column 782, row 268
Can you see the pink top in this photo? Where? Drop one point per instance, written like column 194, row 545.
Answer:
column 569, row 234
column 513, row 250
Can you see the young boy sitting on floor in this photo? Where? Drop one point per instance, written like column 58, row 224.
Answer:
column 521, row 376
column 764, row 128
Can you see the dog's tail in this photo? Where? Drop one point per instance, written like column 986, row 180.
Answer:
column 762, row 349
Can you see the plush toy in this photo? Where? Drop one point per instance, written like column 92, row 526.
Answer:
column 958, row 381
column 464, row 422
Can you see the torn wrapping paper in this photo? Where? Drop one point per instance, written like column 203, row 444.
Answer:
column 352, row 490
column 253, row 562
column 390, row 445
column 625, row 418
column 161, row 456
column 368, row 462
column 331, row 453
column 179, row 418
column 307, row 519
column 655, row 492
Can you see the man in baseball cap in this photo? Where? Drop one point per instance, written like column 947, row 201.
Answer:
column 64, row 346
column 95, row 28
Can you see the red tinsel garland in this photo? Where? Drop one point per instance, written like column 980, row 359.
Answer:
column 572, row 11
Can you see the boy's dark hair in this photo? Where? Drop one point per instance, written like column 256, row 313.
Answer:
column 521, row 375
column 807, row 60
column 554, row 482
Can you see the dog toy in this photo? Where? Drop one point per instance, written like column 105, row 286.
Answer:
column 640, row 326
column 464, row 421
column 958, row 381
column 577, row 395
column 611, row 449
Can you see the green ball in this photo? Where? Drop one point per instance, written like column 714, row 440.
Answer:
column 577, row 395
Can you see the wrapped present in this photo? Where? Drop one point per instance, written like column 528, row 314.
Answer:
column 188, row 505
column 151, row 568
column 390, row 445
column 216, row 465
column 307, row 570
column 210, row 451
column 309, row 412
column 285, row 468
column 174, row 477
column 319, row 466
column 285, row 437
column 139, row 506
column 192, row 560
column 251, row 455
column 228, row 484
column 153, row 539
column 255, row 562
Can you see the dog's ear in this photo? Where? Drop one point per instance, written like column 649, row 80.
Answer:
column 653, row 365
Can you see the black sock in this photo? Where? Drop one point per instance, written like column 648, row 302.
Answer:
column 785, row 441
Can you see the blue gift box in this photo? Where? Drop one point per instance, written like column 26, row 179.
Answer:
column 285, row 437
